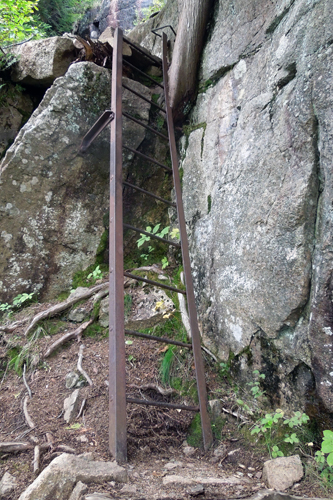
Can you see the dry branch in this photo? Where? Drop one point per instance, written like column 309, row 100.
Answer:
column 36, row 463
column 12, row 447
column 66, row 449
column 26, row 414
column 62, row 306
column 79, row 366
column 68, row 336
column 83, row 404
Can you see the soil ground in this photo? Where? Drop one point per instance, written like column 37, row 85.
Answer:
column 155, row 436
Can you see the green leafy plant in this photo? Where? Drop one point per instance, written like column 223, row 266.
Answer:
column 95, row 275
column 18, row 301
column 255, row 386
column 145, row 13
column 165, row 262
column 144, row 238
column 273, row 429
column 325, row 463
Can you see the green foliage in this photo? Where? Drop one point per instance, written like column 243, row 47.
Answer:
column 16, row 18
column 165, row 262
column 18, row 302
column 20, row 356
column 194, row 437
column 147, row 12
column 62, row 14
column 273, row 429
column 167, row 362
column 144, row 239
column 95, row 330
column 95, row 275
column 325, row 463
column 255, row 386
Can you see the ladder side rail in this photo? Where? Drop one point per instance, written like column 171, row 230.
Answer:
column 196, row 340
column 117, row 374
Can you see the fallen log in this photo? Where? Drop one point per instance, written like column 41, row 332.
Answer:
column 13, row 447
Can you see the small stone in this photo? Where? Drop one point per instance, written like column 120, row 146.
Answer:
column 180, row 480
column 215, row 408
column 282, row 472
column 7, row 484
column 188, row 450
column 258, row 475
column 71, row 379
column 71, row 406
column 82, row 439
column 220, row 451
column 173, row 465
column 196, row 490
column 128, row 489
column 78, row 491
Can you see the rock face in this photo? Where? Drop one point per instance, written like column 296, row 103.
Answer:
column 114, row 13
column 257, row 184
column 16, row 108
column 52, row 200
column 42, row 61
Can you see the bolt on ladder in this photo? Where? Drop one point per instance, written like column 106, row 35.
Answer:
column 117, row 376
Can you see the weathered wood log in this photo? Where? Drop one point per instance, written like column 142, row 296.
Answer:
column 13, row 447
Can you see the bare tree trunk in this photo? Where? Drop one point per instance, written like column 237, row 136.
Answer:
column 187, row 50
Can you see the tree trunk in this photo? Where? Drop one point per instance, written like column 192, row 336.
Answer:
column 187, row 50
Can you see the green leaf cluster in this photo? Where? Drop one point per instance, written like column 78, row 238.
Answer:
column 17, row 20
column 273, row 429
column 62, row 14
column 146, row 13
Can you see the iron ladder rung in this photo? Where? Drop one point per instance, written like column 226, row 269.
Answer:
column 154, row 236
column 161, row 404
column 155, row 283
column 148, row 193
column 143, row 74
column 139, row 122
column 158, row 339
column 148, row 158
column 155, row 60
column 152, row 103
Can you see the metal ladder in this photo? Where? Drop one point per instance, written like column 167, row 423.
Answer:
column 117, row 376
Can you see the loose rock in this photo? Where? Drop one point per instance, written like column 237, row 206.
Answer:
column 282, row 472
column 7, row 484
column 71, row 406
column 56, row 482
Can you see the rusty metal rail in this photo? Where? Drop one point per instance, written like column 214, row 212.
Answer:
column 117, row 383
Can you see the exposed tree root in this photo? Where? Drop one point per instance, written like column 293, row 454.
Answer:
column 62, row 306
column 68, row 336
column 79, row 366
column 36, row 463
column 26, row 414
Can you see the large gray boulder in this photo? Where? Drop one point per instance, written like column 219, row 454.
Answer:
column 57, row 481
column 52, row 199
column 40, row 62
column 258, row 193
